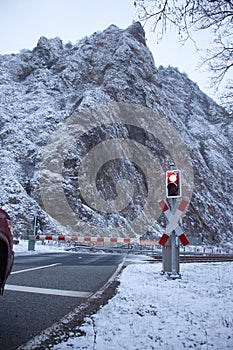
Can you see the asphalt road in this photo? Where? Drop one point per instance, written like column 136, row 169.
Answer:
column 43, row 288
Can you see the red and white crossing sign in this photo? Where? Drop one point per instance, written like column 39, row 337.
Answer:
column 173, row 219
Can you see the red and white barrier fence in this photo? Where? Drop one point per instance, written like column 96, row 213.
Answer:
column 86, row 239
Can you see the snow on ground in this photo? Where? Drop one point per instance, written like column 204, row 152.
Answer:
column 150, row 311
column 53, row 246
column 49, row 246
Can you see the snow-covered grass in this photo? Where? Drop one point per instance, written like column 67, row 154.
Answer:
column 151, row 312
column 49, row 246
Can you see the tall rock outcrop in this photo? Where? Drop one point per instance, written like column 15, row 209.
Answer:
column 42, row 88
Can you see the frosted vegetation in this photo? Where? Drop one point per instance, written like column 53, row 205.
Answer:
column 41, row 88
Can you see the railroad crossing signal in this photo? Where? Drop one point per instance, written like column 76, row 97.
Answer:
column 173, row 219
column 173, row 183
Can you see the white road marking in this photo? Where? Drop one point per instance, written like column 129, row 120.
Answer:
column 35, row 268
column 60, row 292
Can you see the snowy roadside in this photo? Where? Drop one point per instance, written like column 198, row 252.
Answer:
column 49, row 247
column 53, row 246
column 151, row 312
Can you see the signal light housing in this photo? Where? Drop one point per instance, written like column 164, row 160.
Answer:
column 173, row 183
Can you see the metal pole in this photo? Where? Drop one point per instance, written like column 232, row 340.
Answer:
column 173, row 244
column 174, row 254
column 170, row 252
column 35, row 223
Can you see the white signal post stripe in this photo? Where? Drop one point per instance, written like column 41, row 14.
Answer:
column 179, row 232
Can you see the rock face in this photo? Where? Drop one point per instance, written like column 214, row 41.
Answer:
column 42, row 88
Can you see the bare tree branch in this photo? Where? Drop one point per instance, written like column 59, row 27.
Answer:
column 189, row 16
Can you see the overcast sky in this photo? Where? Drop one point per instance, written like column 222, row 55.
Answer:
column 23, row 22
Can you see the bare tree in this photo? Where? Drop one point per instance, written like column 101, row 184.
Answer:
column 189, row 16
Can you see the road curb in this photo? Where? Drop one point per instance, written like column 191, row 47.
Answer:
column 98, row 294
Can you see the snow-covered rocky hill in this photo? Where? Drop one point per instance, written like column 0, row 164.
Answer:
column 42, row 88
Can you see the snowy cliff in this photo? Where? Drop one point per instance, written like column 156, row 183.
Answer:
column 42, row 88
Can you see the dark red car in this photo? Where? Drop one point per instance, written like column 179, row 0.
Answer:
column 6, row 248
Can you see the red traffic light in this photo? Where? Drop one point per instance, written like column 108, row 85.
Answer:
column 173, row 184
column 172, row 177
